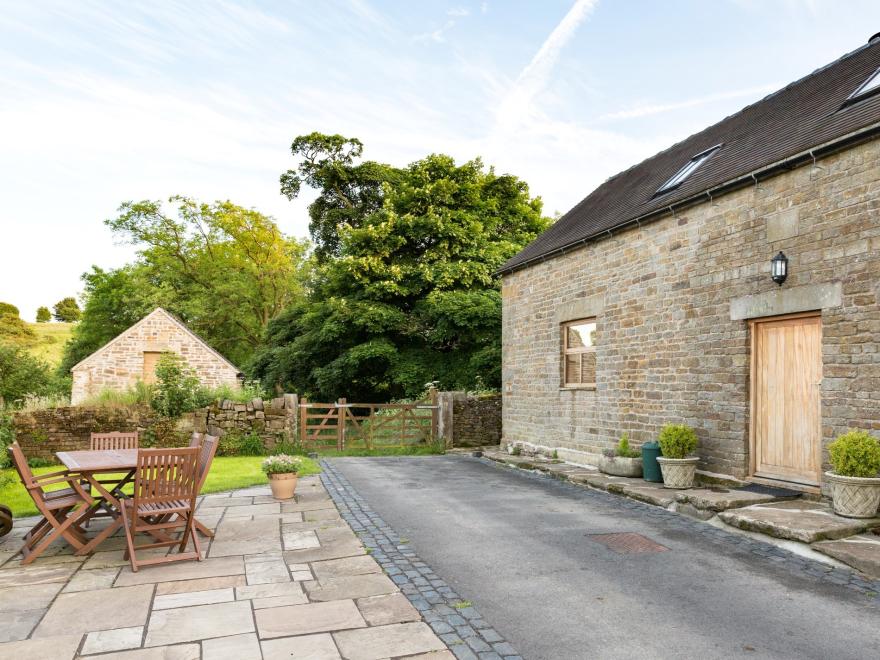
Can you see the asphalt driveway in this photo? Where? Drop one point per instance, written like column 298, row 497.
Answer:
column 524, row 550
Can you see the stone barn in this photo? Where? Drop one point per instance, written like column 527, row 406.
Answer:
column 730, row 282
column 132, row 357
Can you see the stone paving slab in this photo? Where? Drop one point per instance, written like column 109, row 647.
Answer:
column 796, row 520
column 248, row 598
column 387, row 641
column 56, row 648
column 305, row 647
column 189, row 624
column 102, row 609
column 862, row 552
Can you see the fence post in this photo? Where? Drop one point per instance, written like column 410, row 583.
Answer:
column 340, row 424
column 435, row 414
column 303, row 419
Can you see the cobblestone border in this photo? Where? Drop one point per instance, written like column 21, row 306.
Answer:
column 455, row 621
column 814, row 570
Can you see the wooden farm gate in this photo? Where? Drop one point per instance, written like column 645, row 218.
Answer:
column 342, row 425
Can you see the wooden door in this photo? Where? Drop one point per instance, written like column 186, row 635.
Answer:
column 786, row 424
column 150, row 360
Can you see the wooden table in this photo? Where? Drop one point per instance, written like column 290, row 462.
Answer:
column 91, row 464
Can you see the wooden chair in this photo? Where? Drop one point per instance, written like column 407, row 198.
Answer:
column 60, row 509
column 206, row 456
column 164, row 500
column 114, row 440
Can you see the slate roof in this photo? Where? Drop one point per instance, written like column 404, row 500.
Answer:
column 774, row 134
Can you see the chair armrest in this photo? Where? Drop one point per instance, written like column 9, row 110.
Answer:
column 49, row 482
column 50, row 475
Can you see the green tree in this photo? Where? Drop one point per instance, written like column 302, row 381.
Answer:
column 224, row 269
column 8, row 309
column 13, row 329
column 114, row 301
column 407, row 294
column 67, row 311
column 347, row 191
column 43, row 315
column 22, row 374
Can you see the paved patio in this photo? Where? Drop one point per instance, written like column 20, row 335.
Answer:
column 280, row 580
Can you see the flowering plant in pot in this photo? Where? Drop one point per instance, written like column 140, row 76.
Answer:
column 855, row 479
column 282, row 472
column 677, row 442
column 622, row 461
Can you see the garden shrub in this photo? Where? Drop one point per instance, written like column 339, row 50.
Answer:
column 855, row 454
column 236, row 444
column 677, row 440
column 624, row 450
column 177, row 389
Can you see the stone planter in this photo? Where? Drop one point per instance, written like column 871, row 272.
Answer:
column 283, row 485
column 854, row 497
column 678, row 472
column 621, row 466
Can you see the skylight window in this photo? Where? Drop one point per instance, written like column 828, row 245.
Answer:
column 870, row 86
column 690, row 167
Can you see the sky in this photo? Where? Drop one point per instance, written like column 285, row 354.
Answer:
column 104, row 102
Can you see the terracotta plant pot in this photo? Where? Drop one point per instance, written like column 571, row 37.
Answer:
column 678, row 472
column 854, row 497
column 621, row 466
column 283, row 485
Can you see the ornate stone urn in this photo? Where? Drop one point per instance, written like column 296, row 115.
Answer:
column 678, row 472
column 854, row 497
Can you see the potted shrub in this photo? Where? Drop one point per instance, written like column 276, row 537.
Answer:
column 855, row 479
column 622, row 461
column 677, row 441
column 282, row 472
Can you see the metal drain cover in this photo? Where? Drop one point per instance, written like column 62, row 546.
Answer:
column 628, row 543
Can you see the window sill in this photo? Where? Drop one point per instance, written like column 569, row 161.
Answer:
column 584, row 388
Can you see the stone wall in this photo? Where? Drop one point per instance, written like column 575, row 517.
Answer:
column 273, row 420
column 467, row 420
column 669, row 297
column 121, row 363
column 41, row 433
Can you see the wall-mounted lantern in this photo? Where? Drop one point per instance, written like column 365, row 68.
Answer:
column 779, row 268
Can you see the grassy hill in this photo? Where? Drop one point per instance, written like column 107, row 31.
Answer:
column 51, row 340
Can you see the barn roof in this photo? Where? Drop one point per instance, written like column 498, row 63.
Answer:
column 158, row 311
column 809, row 118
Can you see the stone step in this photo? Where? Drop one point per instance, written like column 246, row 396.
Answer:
column 796, row 520
column 862, row 552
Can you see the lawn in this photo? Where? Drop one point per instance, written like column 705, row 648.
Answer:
column 51, row 340
column 227, row 473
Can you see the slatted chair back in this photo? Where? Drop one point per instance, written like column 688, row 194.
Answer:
column 206, row 457
column 195, row 440
column 114, row 440
column 23, row 469
column 165, row 476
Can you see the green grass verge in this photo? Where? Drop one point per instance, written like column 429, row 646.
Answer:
column 227, row 473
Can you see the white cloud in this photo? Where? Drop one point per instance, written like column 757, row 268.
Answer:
column 644, row 110
column 458, row 12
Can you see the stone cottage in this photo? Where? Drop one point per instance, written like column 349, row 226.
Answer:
column 132, row 356
column 657, row 298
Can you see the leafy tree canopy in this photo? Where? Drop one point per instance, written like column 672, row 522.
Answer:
column 22, row 374
column 8, row 309
column 43, row 315
column 405, row 292
column 223, row 269
column 67, row 311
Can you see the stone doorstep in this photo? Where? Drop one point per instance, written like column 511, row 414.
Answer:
column 862, row 552
column 807, row 522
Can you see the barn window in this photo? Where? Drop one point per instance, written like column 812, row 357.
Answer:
column 579, row 353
